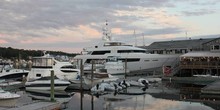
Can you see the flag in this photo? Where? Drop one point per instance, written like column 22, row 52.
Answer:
column 167, row 70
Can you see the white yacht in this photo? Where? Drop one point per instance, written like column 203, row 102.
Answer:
column 7, row 72
column 42, row 67
column 115, row 66
column 8, row 99
column 44, row 83
column 137, row 59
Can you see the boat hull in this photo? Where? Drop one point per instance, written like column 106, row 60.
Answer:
column 89, row 81
column 46, row 85
column 10, row 102
column 60, row 88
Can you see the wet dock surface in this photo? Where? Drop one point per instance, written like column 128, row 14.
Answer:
column 211, row 91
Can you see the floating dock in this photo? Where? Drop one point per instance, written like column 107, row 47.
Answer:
column 38, row 105
column 192, row 80
column 78, row 87
column 211, row 91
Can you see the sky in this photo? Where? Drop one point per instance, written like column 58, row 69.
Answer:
column 71, row 25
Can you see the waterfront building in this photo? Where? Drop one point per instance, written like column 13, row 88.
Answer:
column 184, row 46
column 204, row 63
column 198, row 57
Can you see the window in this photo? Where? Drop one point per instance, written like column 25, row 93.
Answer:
column 100, row 52
column 216, row 47
column 131, row 51
column 131, row 59
column 43, row 63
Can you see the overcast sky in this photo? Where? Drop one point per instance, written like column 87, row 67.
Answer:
column 70, row 25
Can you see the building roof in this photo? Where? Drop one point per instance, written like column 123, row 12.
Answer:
column 201, row 54
column 190, row 43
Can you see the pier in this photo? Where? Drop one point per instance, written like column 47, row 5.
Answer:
column 211, row 91
column 192, row 80
column 38, row 105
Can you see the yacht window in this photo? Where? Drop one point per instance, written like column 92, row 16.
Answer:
column 99, row 61
column 131, row 59
column 146, row 60
column 216, row 47
column 155, row 60
column 38, row 75
column 68, row 66
column 131, row 51
column 100, row 52
column 116, row 44
column 43, row 63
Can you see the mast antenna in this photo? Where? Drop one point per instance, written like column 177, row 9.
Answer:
column 106, row 33
column 135, row 38
column 143, row 39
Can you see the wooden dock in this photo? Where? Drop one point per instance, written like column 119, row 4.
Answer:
column 192, row 80
column 38, row 105
column 211, row 91
column 77, row 87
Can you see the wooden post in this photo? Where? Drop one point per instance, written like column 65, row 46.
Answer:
column 92, row 102
column 125, row 68
column 92, row 70
column 81, row 74
column 81, row 87
column 52, row 87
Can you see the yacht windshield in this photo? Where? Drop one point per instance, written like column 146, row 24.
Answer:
column 132, row 51
column 115, row 44
column 43, row 62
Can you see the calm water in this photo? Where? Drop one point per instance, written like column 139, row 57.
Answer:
column 140, row 102
column 160, row 96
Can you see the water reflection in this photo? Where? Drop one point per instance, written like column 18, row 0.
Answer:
column 159, row 97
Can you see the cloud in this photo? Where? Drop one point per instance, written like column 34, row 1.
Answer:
column 199, row 12
column 52, row 23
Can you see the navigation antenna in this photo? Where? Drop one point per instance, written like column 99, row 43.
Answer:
column 106, row 33
column 186, row 35
column 135, row 38
column 143, row 39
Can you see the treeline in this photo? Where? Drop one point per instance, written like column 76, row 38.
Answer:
column 11, row 53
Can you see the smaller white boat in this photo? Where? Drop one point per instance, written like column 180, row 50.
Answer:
column 103, row 87
column 45, row 95
column 8, row 99
column 139, row 83
column 98, row 78
column 10, row 84
column 115, row 66
column 44, row 83
column 124, row 84
column 43, row 65
column 88, row 66
column 8, row 72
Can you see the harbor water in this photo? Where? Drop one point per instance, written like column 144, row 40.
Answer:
column 159, row 96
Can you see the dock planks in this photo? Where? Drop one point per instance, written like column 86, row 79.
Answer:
column 211, row 91
column 39, row 105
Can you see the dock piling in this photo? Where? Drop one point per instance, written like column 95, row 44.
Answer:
column 52, row 87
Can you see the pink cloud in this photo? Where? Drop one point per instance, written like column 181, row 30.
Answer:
column 3, row 41
column 65, row 34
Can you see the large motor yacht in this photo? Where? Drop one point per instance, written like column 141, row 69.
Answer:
column 137, row 59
